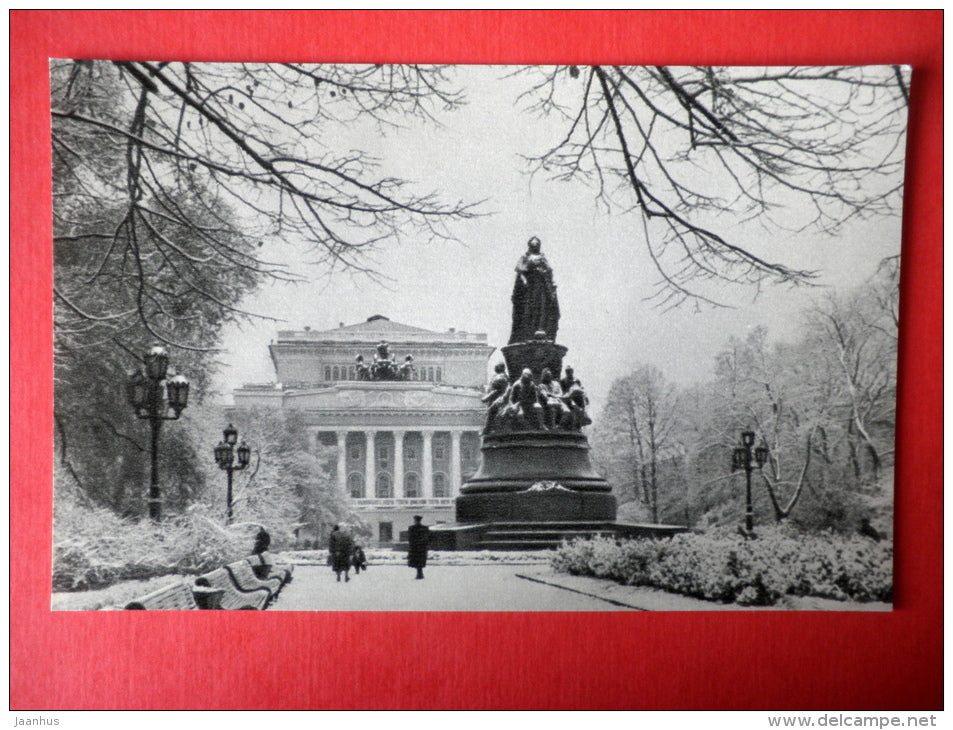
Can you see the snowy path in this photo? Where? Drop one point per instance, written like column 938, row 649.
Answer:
column 445, row 588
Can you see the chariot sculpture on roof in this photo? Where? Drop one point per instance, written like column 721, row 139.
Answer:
column 384, row 367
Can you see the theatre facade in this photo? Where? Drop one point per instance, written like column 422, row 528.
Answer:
column 404, row 445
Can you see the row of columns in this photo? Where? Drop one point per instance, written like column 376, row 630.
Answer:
column 370, row 459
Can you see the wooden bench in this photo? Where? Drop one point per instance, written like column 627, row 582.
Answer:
column 173, row 597
column 264, row 566
column 244, row 577
column 235, row 597
column 247, row 584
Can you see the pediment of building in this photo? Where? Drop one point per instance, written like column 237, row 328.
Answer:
column 385, row 396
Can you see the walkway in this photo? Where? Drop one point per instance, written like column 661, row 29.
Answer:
column 445, row 588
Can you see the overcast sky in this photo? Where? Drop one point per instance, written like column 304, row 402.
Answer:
column 602, row 272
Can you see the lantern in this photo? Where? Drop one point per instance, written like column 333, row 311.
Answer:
column 230, row 435
column 137, row 390
column 244, row 455
column 157, row 363
column 738, row 458
column 177, row 390
column 223, row 455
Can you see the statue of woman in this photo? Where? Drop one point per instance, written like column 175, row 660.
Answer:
column 535, row 307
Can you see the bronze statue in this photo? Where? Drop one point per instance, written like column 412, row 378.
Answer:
column 575, row 399
column 496, row 395
column 555, row 411
column 568, row 379
column 524, row 407
column 535, row 306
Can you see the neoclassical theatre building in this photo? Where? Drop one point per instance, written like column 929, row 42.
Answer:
column 405, row 445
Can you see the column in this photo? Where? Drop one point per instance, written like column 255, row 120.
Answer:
column 370, row 465
column 455, row 478
column 342, row 461
column 427, row 461
column 399, row 464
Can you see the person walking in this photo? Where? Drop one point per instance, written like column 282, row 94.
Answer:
column 358, row 559
column 418, row 537
column 340, row 547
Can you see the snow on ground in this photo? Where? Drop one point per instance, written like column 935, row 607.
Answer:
column 530, row 565
column 384, row 556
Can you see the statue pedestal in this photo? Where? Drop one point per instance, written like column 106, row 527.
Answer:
column 536, row 355
column 533, row 476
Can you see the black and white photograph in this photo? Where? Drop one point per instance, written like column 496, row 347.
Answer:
column 475, row 338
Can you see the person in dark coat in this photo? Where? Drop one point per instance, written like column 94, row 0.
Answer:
column 340, row 547
column 418, row 537
column 868, row 530
column 358, row 559
column 262, row 542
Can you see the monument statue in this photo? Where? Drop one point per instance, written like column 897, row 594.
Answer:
column 535, row 306
column 536, row 482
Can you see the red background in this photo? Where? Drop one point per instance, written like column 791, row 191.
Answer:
column 630, row 660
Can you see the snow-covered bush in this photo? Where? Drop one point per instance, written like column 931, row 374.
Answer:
column 94, row 548
column 724, row 566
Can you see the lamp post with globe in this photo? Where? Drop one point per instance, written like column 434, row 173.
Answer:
column 744, row 457
column 155, row 403
column 225, row 454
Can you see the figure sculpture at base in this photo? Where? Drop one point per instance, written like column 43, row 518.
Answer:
column 568, row 379
column 524, row 409
column 418, row 539
column 535, row 305
column 555, row 411
column 575, row 399
column 496, row 396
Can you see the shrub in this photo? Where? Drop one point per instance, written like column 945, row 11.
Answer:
column 723, row 566
column 94, row 548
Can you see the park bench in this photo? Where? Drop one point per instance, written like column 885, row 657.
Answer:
column 244, row 577
column 247, row 584
column 264, row 566
column 173, row 597
column 235, row 597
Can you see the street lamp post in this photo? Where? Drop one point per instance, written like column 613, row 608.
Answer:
column 225, row 456
column 151, row 401
column 744, row 457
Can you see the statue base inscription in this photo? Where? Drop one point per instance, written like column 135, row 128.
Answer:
column 536, row 506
